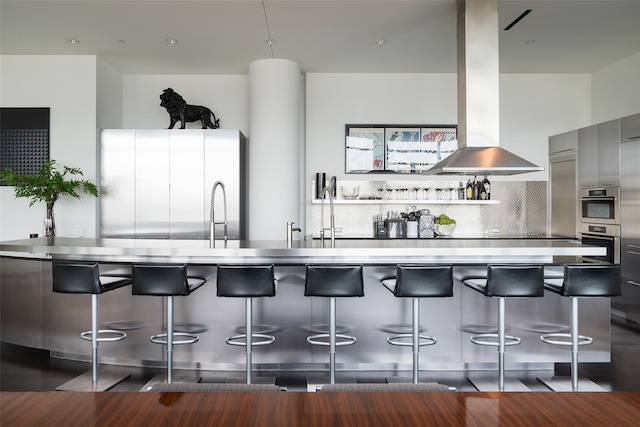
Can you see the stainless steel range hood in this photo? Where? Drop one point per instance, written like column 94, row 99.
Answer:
column 479, row 152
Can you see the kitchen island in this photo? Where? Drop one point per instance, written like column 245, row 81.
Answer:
column 32, row 315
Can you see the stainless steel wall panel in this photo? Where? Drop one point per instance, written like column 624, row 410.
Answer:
column 156, row 183
column 152, row 184
column 117, row 185
column 186, row 177
column 224, row 161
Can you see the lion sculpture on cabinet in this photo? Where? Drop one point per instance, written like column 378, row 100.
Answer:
column 180, row 111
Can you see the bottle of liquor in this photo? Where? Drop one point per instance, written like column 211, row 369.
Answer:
column 483, row 191
column 469, row 190
column 487, row 187
column 475, row 188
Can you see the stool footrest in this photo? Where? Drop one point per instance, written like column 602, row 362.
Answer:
column 548, row 338
column 162, row 338
column 264, row 339
column 119, row 335
column 423, row 340
column 481, row 340
column 317, row 339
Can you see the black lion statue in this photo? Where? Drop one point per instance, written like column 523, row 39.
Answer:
column 180, row 111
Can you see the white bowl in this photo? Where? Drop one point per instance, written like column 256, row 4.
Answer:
column 445, row 229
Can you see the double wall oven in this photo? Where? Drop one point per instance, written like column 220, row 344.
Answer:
column 600, row 221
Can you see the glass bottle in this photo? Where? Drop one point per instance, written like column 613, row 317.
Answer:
column 475, row 188
column 487, row 187
column 469, row 190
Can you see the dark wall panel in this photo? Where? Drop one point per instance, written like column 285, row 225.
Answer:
column 24, row 139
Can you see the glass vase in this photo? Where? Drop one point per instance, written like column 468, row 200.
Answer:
column 50, row 223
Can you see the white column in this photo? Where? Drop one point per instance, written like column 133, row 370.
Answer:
column 274, row 148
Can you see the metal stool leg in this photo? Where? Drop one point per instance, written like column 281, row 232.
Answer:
column 332, row 339
column 501, row 342
column 416, row 338
column 574, row 343
column 249, row 330
column 169, row 339
column 95, row 315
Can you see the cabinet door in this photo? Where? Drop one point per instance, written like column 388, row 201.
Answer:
column 588, row 156
column 630, row 128
column 609, row 153
column 563, row 143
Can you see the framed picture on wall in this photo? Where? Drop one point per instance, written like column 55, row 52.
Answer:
column 397, row 148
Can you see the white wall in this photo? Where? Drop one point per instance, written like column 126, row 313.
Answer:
column 66, row 84
column 227, row 96
column 616, row 90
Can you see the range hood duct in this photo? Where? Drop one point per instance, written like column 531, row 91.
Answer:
column 479, row 152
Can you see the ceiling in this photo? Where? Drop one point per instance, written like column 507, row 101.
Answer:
column 323, row 36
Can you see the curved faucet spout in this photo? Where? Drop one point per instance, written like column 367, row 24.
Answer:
column 212, row 216
column 329, row 191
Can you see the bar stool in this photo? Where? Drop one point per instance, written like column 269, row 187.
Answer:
column 579, row 281
column 248, row 282
column 84, row 278
column 166, row 281
column 415, row 282
column 333, row 281
column 503, row 281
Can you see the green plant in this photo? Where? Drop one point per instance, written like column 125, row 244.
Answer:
column 47, row 186
column 444, row 220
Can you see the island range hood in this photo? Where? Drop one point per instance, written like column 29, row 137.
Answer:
column 479, row 152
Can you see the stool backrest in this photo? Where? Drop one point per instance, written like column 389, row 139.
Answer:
column 424, row 281
column 246, row 281
column 160, row 280
column 591, row 280
column 76, row 277
column 334, row 281
column 515, row 280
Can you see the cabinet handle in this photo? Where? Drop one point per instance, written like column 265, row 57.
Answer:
column 633, row 246
column 631, row 282
column 633, row 137
column 633, row 253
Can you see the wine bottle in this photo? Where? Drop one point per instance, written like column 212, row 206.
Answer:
column 483, row 192
column 475, row 188
column 469, row 192
column 487, row 187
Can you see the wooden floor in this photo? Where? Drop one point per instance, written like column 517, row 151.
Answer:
column 319, row 409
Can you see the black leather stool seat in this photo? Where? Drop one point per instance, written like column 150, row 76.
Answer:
column 332, row 281
column 423, row 281
column 163, row 280
column 247, row 281
column 84, row 278
column 72, row 277
column 504, row 281
column 166, row 281
column 579, row 281
column 587, row 280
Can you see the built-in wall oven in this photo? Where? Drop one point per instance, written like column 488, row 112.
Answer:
column 600, row 205
column 604, row 235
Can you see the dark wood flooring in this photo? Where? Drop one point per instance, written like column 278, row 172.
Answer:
column 24, row 369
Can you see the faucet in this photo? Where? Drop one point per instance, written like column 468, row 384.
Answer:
column 328, row 190
column 290, row 230
column 212, row 221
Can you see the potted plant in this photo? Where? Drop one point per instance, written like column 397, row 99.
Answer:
column 47, row 186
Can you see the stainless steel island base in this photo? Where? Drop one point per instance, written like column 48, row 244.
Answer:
column 33, row 316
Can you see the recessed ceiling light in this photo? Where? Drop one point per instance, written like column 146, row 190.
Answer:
column 381, row 41
column 122, row 41
column 270, row 41
column 172, row 41
column 530, row 42
column 71, row 40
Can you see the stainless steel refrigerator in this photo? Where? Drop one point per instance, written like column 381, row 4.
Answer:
column 629, row 303
column 157, row 183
